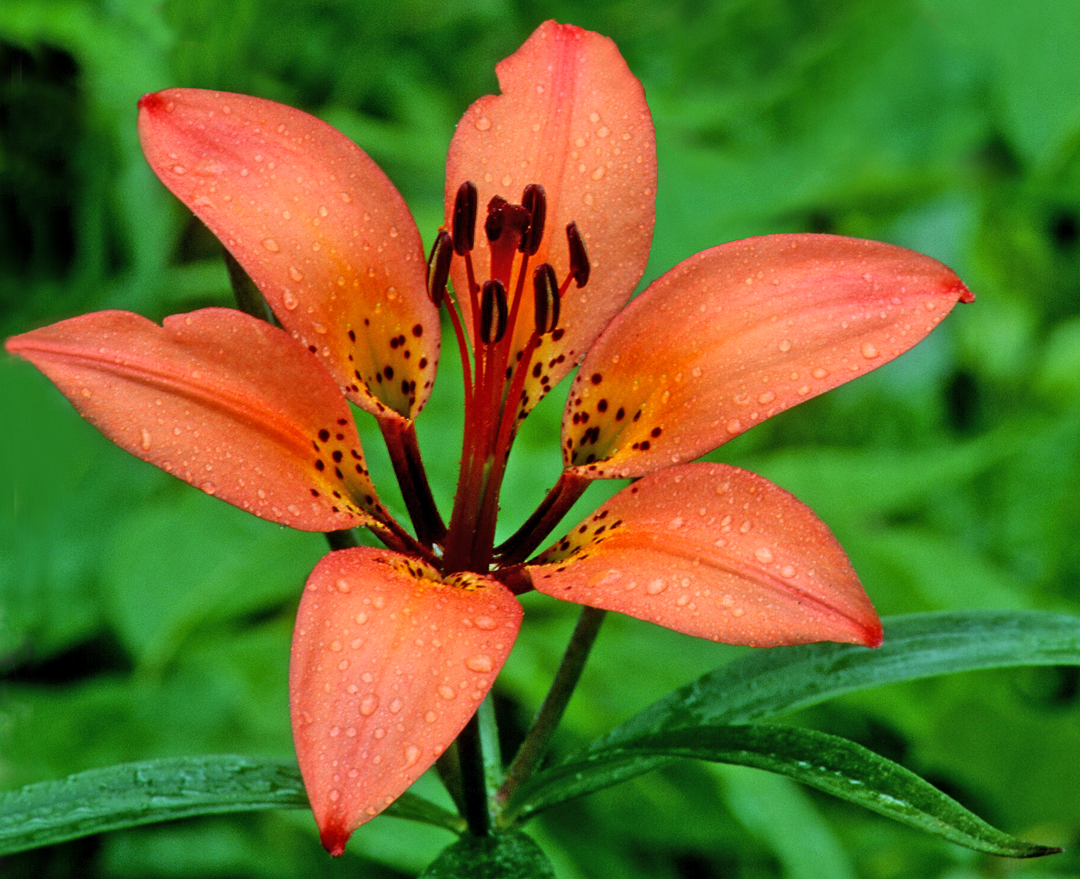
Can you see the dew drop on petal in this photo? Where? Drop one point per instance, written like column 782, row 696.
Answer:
column 869, row 351
column 483, row 123
column 368, row 704
column 481, row 662
column 289, row 300
column 763, row 554
column 271, row 245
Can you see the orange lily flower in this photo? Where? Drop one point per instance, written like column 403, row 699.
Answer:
column 394, row 648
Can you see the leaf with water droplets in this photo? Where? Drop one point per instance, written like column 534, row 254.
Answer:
column 389, row 662
column 225, row 402
column 572, row 118
column 716, row 552
column 319, row 228
column 741, row 332
column 829, row 763
column 498, row 856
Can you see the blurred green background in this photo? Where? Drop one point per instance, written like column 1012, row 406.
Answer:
column 140, row 618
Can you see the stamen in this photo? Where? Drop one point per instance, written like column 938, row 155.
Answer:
column 464, row 220
column 534, row 201
column 579, row 257
column 546, row 301
column 438, row 267
column 493, row 312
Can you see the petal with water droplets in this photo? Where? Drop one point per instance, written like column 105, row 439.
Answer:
column 572, row 118
column 716, row 552
column 226, row 402
column 739, row 333
column 389, row 662
column 319, row 228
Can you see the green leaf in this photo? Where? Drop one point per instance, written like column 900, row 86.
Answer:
column 150, row 791
column 503, row 856
column 767, row 683
column 829, row 763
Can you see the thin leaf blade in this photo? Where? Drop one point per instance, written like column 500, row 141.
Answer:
column 829, row 763
column 152, row 791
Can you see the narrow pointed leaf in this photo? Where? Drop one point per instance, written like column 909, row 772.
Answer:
column 151, row 791
column 716, row 552
column 741, row 332
column 572, row 118
column 389, row 662
column 319, row 228
column 501, row 856
column 225, row 402
column 768, row 683
column 829, row 763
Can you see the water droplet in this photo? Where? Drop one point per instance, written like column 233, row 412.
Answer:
column 819, row 373
column 335, row 795
column 787, row 571
column 395, row 706
column 179, row 169
column 734, row 427
column 431, row 717
column 869, row 351
column 598, row 173
column 485, row 623
column 603, row 131
column 767, row 397
column 335, row 646
column 360, row 618
column 295, row 273
column 763, row 554
column 209, row 487
column 447, row 692
column 343, row 585
column 481, row 662
column 784, row 345
column 412, row 754
column 271, row 245
column 656, row 586
column 483, row 123
column 378, row 602
column 368, row 704
column 144, row 442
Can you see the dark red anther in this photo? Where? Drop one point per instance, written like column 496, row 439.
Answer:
column 438, row 266
column 579, row 257
column 492, row 312
column 534, row 201
column 546, row 301
column 463, row 224
column 496, row 217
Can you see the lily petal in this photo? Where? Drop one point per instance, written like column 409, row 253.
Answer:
column 741, row 332
column 717, row 552
column 572, row 118
column 320, row 229
column 389, row 662
column 226, row 402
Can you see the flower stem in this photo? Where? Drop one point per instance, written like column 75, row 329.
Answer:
column 547, row 719
column 477, row 807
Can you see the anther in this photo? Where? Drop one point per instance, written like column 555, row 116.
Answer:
column 463, row 224
column 492, row 312
column 535, row 202
column 546, row 301
column 496, row 217
column 438, row 267
column 579, row 257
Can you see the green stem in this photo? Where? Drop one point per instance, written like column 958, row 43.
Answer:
column 477, row 811
column 538, row 738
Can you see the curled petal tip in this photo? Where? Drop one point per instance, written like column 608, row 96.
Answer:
column 151, row 101
column 333, row 838
column 875, row 636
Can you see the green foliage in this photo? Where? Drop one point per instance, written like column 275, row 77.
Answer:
column 142, row 621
